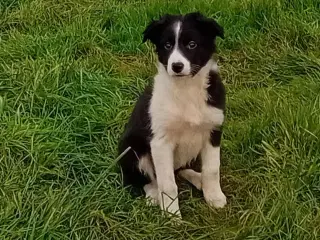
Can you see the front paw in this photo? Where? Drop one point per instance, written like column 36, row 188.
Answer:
column 170, row 206
column 172, row 211
column 215, row 199
column 175, row 216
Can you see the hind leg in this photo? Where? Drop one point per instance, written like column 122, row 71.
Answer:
column 151, row 191
column 191, row 176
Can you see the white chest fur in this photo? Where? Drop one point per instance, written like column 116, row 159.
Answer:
column 180, row 114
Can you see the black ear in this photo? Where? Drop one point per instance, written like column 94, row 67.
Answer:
column 207, row 25
column 215, row 27
column 154, row 29
column 150, row 31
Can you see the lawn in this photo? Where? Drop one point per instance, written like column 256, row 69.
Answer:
column 70, row 72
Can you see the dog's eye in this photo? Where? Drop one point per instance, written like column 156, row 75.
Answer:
column 191, row 45
column 167, row 45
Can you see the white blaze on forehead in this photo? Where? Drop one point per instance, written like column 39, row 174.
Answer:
column 177, row 30
column 176, row 55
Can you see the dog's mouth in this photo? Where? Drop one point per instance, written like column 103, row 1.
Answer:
column 180, row 75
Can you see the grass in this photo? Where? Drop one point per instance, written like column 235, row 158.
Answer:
column 70, row 72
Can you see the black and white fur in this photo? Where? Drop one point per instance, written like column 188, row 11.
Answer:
column 179, row 118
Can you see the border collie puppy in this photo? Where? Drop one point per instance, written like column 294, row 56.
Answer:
column 179, row 118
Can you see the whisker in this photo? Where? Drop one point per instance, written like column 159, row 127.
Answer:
column 196, row 65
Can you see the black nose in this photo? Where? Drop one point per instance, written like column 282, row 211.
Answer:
column 177, row 67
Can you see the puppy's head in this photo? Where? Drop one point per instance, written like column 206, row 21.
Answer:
column 184, row 44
